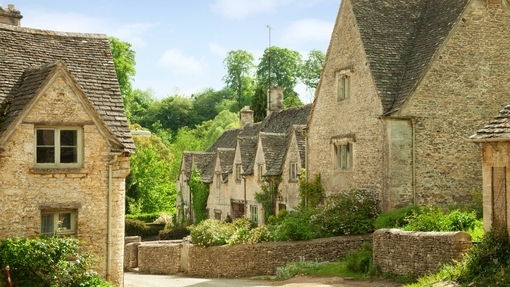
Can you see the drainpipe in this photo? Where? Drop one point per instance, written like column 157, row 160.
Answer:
column 413, row 124
column 109, row 228
column 245, row 202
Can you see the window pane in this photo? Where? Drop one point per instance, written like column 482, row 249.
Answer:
column 64, row 221
column 68, row 155
column 45, row 155
column 45, row 137
column 47, row 224
column 68, row 137
column 343, row 151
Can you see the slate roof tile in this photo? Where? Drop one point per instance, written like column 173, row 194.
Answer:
column 498, row 128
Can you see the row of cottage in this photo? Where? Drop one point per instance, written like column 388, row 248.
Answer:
column 404, row 86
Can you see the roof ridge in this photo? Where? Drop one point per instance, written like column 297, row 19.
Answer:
column 51, row 32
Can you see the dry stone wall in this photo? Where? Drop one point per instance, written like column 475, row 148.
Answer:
column 417, row 253
column 162, row 257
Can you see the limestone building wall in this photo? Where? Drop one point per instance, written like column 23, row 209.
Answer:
column 27, row 191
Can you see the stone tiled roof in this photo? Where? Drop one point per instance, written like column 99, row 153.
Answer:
column 301, row 142
column 201, row 160
column 497, row 129
column 274, row 146
column 226, row 156
column 226, row 140
column 400, row 38
column 88, row 59
column 248, row 148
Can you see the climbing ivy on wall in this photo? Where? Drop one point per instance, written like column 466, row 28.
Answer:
column 267, row 197
column 200, row 193
column 312, row 192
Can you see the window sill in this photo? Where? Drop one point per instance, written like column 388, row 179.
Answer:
column 340, row 170
column 56, row 170
column 294, row 180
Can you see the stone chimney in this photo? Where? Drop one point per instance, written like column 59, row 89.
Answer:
column 246, row 116
column 274, row 99
column 10, row 16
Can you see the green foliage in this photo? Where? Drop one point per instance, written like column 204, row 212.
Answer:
column 294, row 268
column 432, row 218
column 145, row 217
column 259, row 102
column 239, row 77
column 294, row 226
column 174, row 233
column 200, row 193
column 149, row 186
column 311, row 69
column 360, row 261
column 48, row 261
column 396, row 218
column 311, row 193
column 135, row 227
column 211, row 232
column 347, row 213
column 124, row 61
column 267, row 197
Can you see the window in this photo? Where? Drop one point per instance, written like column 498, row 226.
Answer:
column 343, row 154
column 343, row 86
column 59, row 147
column 58, row 222
column 293, row 171
column 254, row 213
column 217, row 214
column 218, row 182
column 239, row 172
column 261, row 171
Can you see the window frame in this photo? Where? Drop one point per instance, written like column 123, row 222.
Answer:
column 72, row 231
column 261, row 172
column 57, row 146
column 293, row 171
column 254, row 213
column 239, row 172
column 344, row 156
column 343, row 82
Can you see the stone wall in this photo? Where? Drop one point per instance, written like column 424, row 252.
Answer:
column 159, row 257
column 417, row 253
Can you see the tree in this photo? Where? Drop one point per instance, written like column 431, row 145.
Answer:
column 150, row 187
column 281, row 67
column 311, row 69
column 259, row 103
column 124, row 61
column 239, row 77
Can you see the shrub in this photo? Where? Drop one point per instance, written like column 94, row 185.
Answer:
column 48, row 261
column 174, row 233
column 135, row 227
column 295, row 225
column 432, row 218
column 145, row 217
column 395, row 218
column 211, row 232
column 349, row 213
column 360, row 261
column 293, row 268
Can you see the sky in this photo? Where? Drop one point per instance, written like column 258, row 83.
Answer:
column 180, row 45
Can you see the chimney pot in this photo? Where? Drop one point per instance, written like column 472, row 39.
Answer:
column 10, row 16
column 246, row 116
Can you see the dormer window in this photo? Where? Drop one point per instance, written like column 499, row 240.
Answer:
column 58, row 147
column 239, row 172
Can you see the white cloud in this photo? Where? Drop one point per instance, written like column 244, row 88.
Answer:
column 308, row 30
column 217, row 50
column 236, row 9
column 75, row 22
column 180, row 64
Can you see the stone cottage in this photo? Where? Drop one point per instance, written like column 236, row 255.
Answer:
column 494, row 140
column 403, row 85
column 64, row 140
column 241, row 161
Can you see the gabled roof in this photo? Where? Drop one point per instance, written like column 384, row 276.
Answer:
column 201, row 160
column 400, row 39
column 226, row 157
column 274, row 146
column 226, row 140
column 248, row 148
column 301, row 142
column 88, row 59
column 497, row 130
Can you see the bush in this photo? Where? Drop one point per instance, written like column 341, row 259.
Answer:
column 395, row 218
column 360, row 261
column 48, row 261
column 432, row 218
column 294, row 226
column 349, row 213
column 135, row 227
column 211, row 232
column 145, row 217
column 174, row 233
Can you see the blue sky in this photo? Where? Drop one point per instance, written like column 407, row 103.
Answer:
column 180, row 45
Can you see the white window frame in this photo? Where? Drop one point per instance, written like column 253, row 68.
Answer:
column 344, row 156
column 57, row 147
column 261, row 171
column 54, row 216
column 293, row 176
column 343, row 80
column 254, row 213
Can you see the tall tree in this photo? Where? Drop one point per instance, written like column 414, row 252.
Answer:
column 311, row 69
column 281, row 67
column 259, row 102
column 239, row 77
column 124, row 61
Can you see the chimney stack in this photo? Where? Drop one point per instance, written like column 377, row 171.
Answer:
column 10, row 16
column 274, row 99
column 246, row 116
